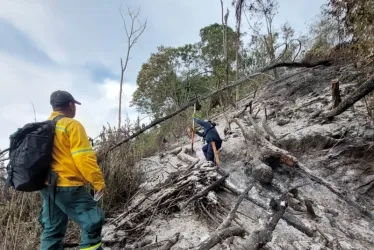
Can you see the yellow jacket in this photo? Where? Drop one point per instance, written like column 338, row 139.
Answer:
column 74, row 160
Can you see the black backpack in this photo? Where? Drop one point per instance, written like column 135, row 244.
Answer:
column 30, row 156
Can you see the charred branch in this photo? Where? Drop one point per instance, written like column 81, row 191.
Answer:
column 226, row 223
column 220, row 236
column 261, row 237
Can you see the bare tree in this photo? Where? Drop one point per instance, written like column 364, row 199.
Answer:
column 239, row 4
column 225, row 44
column 133, row 33
column 265, row 10
column 33, row 108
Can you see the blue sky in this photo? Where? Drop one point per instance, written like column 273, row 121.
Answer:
column 77, row 46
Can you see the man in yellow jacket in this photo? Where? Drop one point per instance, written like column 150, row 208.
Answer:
column 73, row 165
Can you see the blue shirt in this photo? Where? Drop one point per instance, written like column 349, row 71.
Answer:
column 210, row 133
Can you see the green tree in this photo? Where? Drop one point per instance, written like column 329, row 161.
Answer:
column 173, row 76
column 212, row 50
column 158, row 83
column 214, row 58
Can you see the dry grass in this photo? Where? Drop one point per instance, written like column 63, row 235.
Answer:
column 18, row 220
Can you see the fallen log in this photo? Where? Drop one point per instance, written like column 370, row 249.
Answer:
column 360, row 92
column 183, row 156
column 176, row 151
column 220, row 236
column 261, row 237
column 287, row 217
column 226, row 223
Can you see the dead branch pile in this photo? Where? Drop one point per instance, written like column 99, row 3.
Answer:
column 194, row 188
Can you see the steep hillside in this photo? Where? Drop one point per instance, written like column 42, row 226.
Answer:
column 321, row 171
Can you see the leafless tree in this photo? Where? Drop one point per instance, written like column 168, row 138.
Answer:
column 133, row 32
column 264, row 10
column 239, row 4
column 33, row 108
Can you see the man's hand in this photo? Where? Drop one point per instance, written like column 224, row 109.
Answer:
column 98, row 195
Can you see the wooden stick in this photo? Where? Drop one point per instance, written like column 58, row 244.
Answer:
column 216, row 157
column 261, row 237
column 220, row 236
column 231, row 214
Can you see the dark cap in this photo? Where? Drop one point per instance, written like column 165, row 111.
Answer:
column 60, row 97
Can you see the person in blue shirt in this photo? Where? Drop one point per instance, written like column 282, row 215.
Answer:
column 209, row 134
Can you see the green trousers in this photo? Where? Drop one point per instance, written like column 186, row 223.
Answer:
column 79, row 205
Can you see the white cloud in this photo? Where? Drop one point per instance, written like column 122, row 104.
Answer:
column 40, row 22
column 24, row 83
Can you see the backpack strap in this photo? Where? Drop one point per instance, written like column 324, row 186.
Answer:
column 52, row 179
column 57, row 118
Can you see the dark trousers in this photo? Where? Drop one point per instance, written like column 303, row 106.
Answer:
column 79, row 205
column 208, row 151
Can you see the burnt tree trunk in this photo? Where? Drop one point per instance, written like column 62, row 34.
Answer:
column 336, row 99
column 364, row 89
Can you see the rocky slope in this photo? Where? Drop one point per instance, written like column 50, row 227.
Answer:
column 338, row 153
